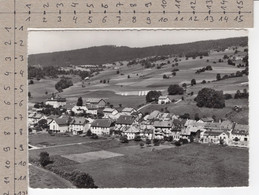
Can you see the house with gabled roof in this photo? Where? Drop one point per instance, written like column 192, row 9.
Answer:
column 110, row 113
column 123, row 123
column 79, row 109
column 59, row 125
column 163, row 128
column 95, row 103
column 240, row 135
column 215, row 137
column 164, row 100
column 128, row 111
column 131, row 132
column 56, row 101
column 101, row 126
column 79, row 125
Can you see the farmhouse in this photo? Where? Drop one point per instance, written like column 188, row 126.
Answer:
column 240, row 135
column 215, row 137
column 162, row 128
column 163, row 100
column 34, row 118
column 79, row 109
column 56, row 101
column 153, row 115
column 131, row 132
column 95, row 103
column 110, row 113
column 79, row 125
column 101, row 126
column 59, row 125
column 128, row 111
column 123, row 123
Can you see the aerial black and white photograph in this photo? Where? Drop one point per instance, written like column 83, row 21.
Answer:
column 138, row 108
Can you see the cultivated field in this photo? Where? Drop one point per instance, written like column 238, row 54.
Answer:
column 127, row 165
column 144, row 79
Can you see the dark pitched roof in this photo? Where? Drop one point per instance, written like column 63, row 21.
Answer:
column 167, row 124
column 61, row 121
column 94, row 100
column 240, row 129
column 104, row 123
column 79, row 121
column 125, row 119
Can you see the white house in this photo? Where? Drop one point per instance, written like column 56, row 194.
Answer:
column 101, row 126
column 110, row 113
column 215, row 137
column 240, row 135
column 163, row 100
column 59, row 125
column 128, row 111
column 56, row 101
column 79, row 125
column 79, row 109
column 131, row 132
column 95, row 103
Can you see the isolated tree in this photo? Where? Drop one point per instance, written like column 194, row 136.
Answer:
column 79, row 101
column 153, row 96
column 203, row 82
column 193, row 82
column 31, row 82
column 117, row 72
column 175, row 90
column 83, row 180
column 184, row 85
column 44, row 159
column 218, row 77
column 210, row 98
column 29, row 94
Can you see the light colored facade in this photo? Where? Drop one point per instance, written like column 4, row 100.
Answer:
column 79, row 125
column 59, row 126
column 101, row 126
column 163, row 100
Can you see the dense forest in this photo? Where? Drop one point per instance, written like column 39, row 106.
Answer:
column 110, row 54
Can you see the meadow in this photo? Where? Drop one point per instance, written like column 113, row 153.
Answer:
column 127, row 165
column 144, row 79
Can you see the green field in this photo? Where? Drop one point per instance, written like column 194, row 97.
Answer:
column 191, row 165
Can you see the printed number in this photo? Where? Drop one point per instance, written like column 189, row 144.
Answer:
column 6, row 149
column 7, row 103
column 119, row 19
column 20, row 130
column 104, row 20
column 7, row 133
column 148, row 20
column 134, row 19
column 6, row 180
column 7, row 164
column 8, row 43
column 90, row 19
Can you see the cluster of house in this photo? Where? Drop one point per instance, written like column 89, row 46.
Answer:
column 131, row 123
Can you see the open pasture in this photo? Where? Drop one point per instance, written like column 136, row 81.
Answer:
column 192, row 165
column 91, row 156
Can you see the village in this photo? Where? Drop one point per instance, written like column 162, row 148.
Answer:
column 95, row 118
